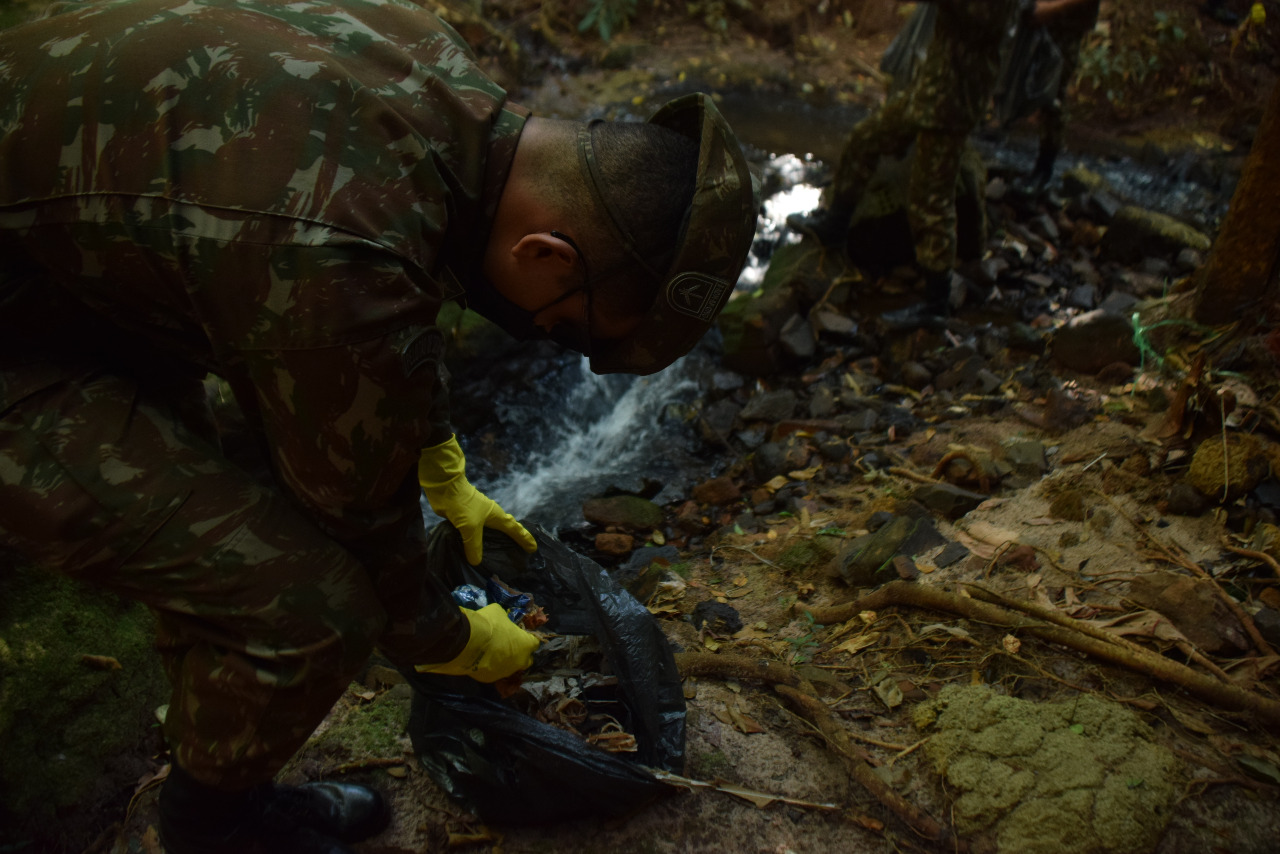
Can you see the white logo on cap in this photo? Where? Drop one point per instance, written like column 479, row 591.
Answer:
column 696, row 295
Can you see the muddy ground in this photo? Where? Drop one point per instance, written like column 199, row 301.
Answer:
column 1074, row 535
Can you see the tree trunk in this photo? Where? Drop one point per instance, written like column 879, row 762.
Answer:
column 1239, row 280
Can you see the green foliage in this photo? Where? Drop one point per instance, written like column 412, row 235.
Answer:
column 1139, row 59
column 607, row 16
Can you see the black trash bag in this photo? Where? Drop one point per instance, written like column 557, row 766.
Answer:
column 509, row 768
column 909, row 46
column 1030, row 74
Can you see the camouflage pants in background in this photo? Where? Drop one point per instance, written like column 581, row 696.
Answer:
column 1053, row 119
column 262, row 619
column 931, row 196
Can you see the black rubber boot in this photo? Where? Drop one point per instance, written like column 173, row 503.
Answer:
column 829, row 227
column 315, row 818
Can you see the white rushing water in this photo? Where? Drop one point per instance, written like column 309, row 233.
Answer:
column 620, row 442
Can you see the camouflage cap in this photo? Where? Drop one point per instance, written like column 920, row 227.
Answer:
column 711, row 249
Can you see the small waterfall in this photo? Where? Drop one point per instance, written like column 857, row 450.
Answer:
column 575, row 434
column 623, row 442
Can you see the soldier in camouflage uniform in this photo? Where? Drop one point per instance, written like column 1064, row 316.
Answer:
column 945, row 101
column 1067, row 22
column 283, row 194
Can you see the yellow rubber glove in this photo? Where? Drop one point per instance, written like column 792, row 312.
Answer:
column 497, row 648
column 442, row 475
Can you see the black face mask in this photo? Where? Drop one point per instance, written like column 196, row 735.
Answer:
column 485, row 300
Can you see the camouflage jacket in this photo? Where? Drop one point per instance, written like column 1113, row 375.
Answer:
column 280, row 192
column 954, row 82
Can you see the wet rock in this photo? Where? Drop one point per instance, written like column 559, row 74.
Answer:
column 860, row 561
column 717, row 617
column 688, row 518
column 1189, row 260
column 1143, row 285
column 1156, row 267
column 1023, row 337
column 1094, row 340
column 796, row 338
column 947, row 500
column 961, row 374
column 916, row 375
column 753, row 437
column 622, row 511
column 775, row 405
column 1225, row 474
column 1083, row 296
column 1268, row 622
column 1136, row 233
column 1103, row 206
column 725, row 381
column 864, row 420
column 718, row 491
column 822, row 404
column 951, row 553
column 1044, row 226
column 1083, row 269
column 646, row 557
column 1115, row 373
column 835, row 450
column 717, row 420
column 1119, row 303
column 832, row 323
column 615, row 544
column 1025, row 456
column 778, row 458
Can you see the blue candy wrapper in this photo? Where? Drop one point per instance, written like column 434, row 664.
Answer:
column 472, row 597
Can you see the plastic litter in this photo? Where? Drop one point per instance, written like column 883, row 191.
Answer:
column 510, row 768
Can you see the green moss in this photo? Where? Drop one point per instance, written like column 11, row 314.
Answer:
column 709, row 764
column 1075, row 776
column 62, row 721
column 368, row 729
column 805, row 555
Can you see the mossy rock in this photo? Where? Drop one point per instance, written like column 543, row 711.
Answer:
column 1070, row 777
column 1136, row 233
column 75, row 734
column 1225, row 471
column 623, row 511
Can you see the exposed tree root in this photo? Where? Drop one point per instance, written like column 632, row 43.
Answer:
column 1068, row 633
column 800, row 693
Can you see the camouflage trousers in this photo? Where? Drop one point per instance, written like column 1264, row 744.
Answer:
column 1053, row 118
column 262, row 620
column 931, row 196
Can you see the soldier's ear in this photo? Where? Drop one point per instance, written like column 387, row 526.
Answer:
column 543, row 249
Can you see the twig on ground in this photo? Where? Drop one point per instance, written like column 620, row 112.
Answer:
column 1228, row 696
column 800, row 693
